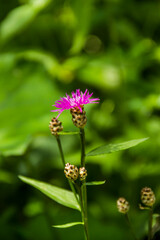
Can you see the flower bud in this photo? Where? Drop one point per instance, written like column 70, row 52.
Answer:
column 122, row 205
column 55, row 126
column 71, row 172
column 79, row 118
column 82, row 173
column 147, row 197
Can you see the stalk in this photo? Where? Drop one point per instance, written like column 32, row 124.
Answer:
column 63, row 161
column 83, row 190
column 150, row 224
column 79, row 190
column 130, row 226
column 60, row 149
column 82, row 136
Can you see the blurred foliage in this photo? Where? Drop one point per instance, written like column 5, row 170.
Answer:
column 48, row 48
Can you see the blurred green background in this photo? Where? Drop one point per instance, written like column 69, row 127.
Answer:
column 48, row 48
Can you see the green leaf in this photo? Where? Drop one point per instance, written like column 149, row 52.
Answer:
column 16, row 20
column 16, row 135
column 14, row 145
column 68, row 133
column 39, row 4
column 95, row 183
column 58, row 194
column 19, row 18
column 7, row 177
column 106, row 149
column 49, row 61
column 67, row 225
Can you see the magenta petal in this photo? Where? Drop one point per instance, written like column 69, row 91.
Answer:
column 80, row 108
column 78, row 99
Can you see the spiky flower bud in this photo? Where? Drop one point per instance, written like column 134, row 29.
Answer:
column 71, row 172
column 122, row 205
column 82, row 173
column 78, row 117
column 55, row 126
column 147, row 196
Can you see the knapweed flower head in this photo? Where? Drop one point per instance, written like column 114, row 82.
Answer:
column 77, row 100
column 147, row 197
column 71, row 172
column 122, row 205
column 82, row 173
column 55, row 126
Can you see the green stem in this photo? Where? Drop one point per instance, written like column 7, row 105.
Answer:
column 60, row 149
column 130, row 226
column 74, row 191
column 83, row 187
column 150, row 224
column 81, row 200
column 82, row 136
column 80, row 191
column 85, row 217
column 63, row 161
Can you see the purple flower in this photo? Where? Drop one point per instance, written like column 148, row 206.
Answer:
column 78, row 99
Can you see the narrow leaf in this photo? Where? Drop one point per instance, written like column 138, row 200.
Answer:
column 49, row 61
column 106, row 149
column 68, row 133
column 19, row 18
column 16, row 21
column 95, row 183
column 58, row 194
column 67, row 225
